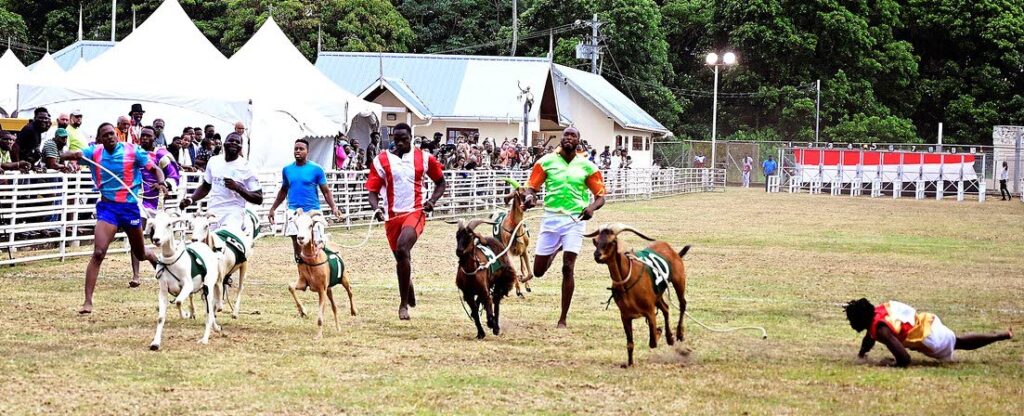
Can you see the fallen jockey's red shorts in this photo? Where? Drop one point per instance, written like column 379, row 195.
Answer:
column 394, row 226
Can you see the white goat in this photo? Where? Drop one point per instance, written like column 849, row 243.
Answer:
column 181, row 271
column 233, row 248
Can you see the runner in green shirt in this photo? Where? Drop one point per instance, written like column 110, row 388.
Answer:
column 566, row 178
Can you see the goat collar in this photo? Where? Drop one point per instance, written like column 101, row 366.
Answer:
column 629, row 275
column 312, row 258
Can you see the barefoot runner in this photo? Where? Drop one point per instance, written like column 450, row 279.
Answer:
column 566, row 176
column 399, row 175
column 118, row 208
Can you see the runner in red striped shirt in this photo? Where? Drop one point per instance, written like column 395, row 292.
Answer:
column 399, row 175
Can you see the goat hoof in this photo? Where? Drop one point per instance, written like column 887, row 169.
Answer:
column 520, row 295
column 497, row 331
column 528, row 289
column 480, row 335
column 625, row 365
column 204, row 341
column 154, row 347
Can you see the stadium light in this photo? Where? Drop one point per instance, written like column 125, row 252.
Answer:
column 712, row 60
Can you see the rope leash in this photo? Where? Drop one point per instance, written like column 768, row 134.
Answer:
column 764, row 333
column 515, row 232
column 116, row 178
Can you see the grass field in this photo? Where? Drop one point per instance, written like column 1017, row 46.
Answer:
column 783, row 261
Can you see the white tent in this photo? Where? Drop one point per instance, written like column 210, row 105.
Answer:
column 145, row 68
column 46, row 70
column 13, row 72
column 292, row 99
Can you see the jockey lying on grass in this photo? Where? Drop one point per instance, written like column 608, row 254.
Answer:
column 899, row 327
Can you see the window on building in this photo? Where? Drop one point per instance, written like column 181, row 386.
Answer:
column 618, row 142
column 455, row 132
column 647, row 143
column 638, row 143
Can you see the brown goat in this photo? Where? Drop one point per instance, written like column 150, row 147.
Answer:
column 521, row 242
column 633, row 286
column 315, row 270
column 481, row 285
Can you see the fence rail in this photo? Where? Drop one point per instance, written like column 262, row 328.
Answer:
column 52, row 215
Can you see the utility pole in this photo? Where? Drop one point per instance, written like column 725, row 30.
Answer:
column 594, row 24
column 79, row 21
column 817, row 112
column 591, row 50
column 515, row 26
column 113, row 20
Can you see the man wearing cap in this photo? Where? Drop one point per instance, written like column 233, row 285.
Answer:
column 76, row 140
column 566, row 177
column 53, row 148
column 135, row 124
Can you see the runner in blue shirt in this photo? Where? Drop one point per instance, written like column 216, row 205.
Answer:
column 299, row 182
column 118, row 208
column 769, row 170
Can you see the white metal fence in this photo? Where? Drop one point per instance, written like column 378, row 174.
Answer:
column 52, row 215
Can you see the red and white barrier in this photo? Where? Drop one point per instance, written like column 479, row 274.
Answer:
column 848, row 166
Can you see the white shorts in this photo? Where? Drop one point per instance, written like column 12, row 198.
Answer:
column 560, row 232
column 940, row 342
column 233, row 220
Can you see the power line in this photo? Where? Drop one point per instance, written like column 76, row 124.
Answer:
column 497, row 42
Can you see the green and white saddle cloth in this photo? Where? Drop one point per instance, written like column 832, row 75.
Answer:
column 497, row 217
column 489, row 254
column 198, row 265
column 337, row 266
column 657, row 267
column 234, row 244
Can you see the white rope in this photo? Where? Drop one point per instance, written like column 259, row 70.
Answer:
column 764, row 333
column 118, row 179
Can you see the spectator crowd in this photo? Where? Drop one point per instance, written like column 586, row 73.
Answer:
column 27, row 150
column 473, row 153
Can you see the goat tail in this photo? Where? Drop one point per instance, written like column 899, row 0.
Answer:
column 684, row 251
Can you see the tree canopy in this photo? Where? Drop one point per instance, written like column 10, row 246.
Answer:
column 890, row 70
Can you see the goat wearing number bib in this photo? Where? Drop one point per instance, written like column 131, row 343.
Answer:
column 639, row 281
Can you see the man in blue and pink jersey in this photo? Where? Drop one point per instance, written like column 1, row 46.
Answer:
column 150, row 194
column 118, row 207
column 400, row 174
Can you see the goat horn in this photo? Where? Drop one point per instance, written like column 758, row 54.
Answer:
column 593, row 234
column 459, row 222
column 472, row 224
column 620, row 227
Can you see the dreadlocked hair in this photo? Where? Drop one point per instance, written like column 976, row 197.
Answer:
column 860, row 313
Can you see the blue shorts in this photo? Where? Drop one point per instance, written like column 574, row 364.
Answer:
column 124, row 215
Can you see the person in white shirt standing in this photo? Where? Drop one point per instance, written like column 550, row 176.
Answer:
column 231, row 184
column 748, row 165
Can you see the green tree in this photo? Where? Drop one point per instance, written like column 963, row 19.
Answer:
column 442, row 25
column 636, row 56
column 12, row 26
